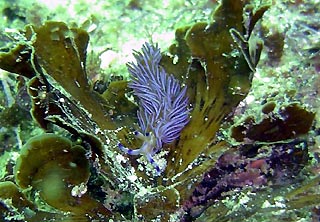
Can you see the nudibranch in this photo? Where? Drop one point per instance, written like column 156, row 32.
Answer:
column 163, row 103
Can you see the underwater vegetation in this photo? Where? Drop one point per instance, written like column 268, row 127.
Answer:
column 169, row 143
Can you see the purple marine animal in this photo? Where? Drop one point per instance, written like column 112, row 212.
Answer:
column 163, row 103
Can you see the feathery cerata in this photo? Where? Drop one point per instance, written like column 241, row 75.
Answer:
column 163, row 103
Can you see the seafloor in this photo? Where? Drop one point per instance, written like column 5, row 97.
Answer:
column 242, row 143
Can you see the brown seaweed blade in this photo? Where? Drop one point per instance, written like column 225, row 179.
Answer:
column 218, row 76
column 55, row 54
column 218, row 72
column 60, row 55
column 53, row 57
column 53, row 166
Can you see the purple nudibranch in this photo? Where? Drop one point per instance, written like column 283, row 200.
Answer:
column 163, row 103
